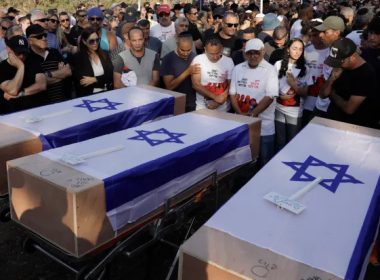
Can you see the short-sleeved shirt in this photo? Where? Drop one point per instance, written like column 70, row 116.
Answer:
column 256, row 83
column 315, row 61
column 356, row 82
column 54, row 92
column 214, row 76
column 292, row 107
column 162, row 32
column 8, row 72
column 173, row 65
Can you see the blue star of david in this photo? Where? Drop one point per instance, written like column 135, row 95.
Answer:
column 173, row 137
column 108, row 105
column 330, row 184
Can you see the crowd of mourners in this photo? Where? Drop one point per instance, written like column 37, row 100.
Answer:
column 285, row 65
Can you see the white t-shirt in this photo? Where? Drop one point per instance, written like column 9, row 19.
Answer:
column 214, row 77
column 323, row 104
column 257, row 83
column 355, row 36
column 162, row 32
column 315, row 61
column 3, row 50
column 295, row 31
column 295, row 107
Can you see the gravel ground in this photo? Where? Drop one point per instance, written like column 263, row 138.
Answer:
column 154, row 263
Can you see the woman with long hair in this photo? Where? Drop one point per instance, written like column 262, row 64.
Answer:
column 294, row 78
column 92, row 68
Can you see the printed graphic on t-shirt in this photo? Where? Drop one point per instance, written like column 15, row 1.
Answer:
column 217, row 88
column 293, row 101
column 316, row 86
column 246, row 103
column 248, row 84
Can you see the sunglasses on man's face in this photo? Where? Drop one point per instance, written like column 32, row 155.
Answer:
column 96, row 19
column 4, row 28
column 52, row 20
column 93, row 41
column 217, row 17
column 40, row 36
column 64, row 20
column 232, row 24
column 82, row 15
column 42, row 20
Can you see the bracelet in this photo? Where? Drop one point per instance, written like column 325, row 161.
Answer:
column 21, row 93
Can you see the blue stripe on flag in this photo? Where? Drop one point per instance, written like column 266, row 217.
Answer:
column 108, row 124
column 366, row 236
column 127, row 185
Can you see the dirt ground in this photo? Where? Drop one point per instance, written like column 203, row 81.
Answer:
column 152, row 264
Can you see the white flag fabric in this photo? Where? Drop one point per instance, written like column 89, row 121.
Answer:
column 332, row 235
column 141, row 163
column 83, row 118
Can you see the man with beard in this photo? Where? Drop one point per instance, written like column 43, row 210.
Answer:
column 165, row 29
column 330, row 30
column 351, row 84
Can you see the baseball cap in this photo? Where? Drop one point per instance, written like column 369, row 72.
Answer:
column 34, row 29
column 18, row 44
column 340, row 50
column 270, row 22
column 164, row 8
column 332, row 22
column 254, row 45
column 130, row 15
column 94, row 12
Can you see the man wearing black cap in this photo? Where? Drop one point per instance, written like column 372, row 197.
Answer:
column 351, row 84
column 51, row 61
column 21, row 82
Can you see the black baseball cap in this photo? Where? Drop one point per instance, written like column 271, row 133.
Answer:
column 34, row 29
column 131, row 15
column 340, row 50
column 18, row 44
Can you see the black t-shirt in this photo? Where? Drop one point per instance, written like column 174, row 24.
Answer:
column 172, row 65
column 229, row 45
column 7, row 72
column 74, row 34
column 54, row 92
column 193, row 29
column 356, row 82
column 372, row 56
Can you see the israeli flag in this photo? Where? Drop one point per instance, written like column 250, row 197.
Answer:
column 144, row 166
column 332, row 237
column 91, row 116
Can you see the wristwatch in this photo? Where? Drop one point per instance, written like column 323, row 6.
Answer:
column 21, row 93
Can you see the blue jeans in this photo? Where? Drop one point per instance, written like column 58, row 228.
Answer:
column 267, row 149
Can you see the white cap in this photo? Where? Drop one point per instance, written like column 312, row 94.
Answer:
column 259, row 16
column 254, row 45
